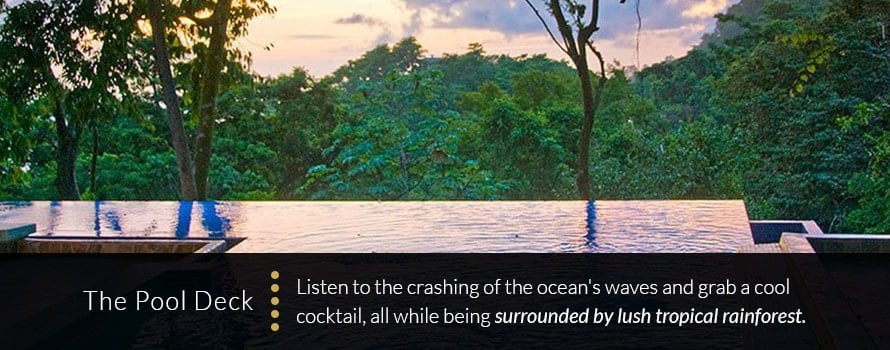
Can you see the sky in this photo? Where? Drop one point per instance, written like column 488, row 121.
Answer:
column 321, row 36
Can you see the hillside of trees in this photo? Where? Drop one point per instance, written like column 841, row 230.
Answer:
column 784, row 105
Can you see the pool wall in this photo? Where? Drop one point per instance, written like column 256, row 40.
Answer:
column 765, row 232
column 105, row 245
column 14, row 238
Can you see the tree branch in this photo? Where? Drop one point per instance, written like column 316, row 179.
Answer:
column 565, row 30
column 599, row 57
column 547, row 27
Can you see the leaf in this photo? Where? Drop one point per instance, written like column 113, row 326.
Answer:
column 811, row 68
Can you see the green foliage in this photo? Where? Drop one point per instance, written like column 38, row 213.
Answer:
column 402, row 143
column 394, row 124
column 784, row 152
column 523, row 146
column 872, row 186
column 820, row 48
column 15, row 139
column 73, row 57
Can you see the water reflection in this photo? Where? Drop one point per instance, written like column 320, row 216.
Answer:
column 215, row 224
column 111, row 218
column 127, row 219
column 55, row 208
column 184, row 220
column 591, row 225
column 8, row 206
column 97, row 226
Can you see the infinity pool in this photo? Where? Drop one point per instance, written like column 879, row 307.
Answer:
column 397, row 227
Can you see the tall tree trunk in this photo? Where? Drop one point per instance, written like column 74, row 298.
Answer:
column 66, row 175
column 209, row 90
column 188, row 189
column 582, row 166
column 576, row 31
column 591, row 94
column 94, row 158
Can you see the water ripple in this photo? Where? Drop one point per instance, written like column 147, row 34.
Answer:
column 395, row 227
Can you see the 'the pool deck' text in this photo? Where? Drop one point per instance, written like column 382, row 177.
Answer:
column 198, row 300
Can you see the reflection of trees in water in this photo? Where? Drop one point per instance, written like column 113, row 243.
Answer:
column 216, row 224
column 591, row 224
column 111, row 217
column 54, row 211
column 184, row 221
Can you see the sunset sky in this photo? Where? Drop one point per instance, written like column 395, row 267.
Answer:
column 323, row 35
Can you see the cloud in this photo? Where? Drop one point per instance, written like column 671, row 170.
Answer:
column 414, row 25
column 508, row 17
column 705, row 9
column 386, row 34
column 515, row 18
column 358, row 18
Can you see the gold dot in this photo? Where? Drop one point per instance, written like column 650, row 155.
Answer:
column 275, row 288
column 274, row 300
column 274, row 275
column 275, row 314
column 275, row 327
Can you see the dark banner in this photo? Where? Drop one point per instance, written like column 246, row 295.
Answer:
column 445, row 301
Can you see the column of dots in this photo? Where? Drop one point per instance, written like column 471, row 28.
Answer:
column 275, row 288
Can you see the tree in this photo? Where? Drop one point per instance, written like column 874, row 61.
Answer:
column 215, row 55
column 305, row 116
column 576, row 30
column 871, row 186
column 399, row 137
column 15, row 143
column 210, row 27
column 404, row 57
column 72, row 56
column 178, row 139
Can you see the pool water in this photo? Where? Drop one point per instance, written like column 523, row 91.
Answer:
column 398, row 227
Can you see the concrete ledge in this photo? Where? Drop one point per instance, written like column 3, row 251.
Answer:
column 216, row 246
column 105, row 245
column 15, row 231
column 769, row 248
column 11, row 233
column 795, row 243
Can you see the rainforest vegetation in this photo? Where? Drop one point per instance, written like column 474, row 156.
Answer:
column 786, row 104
